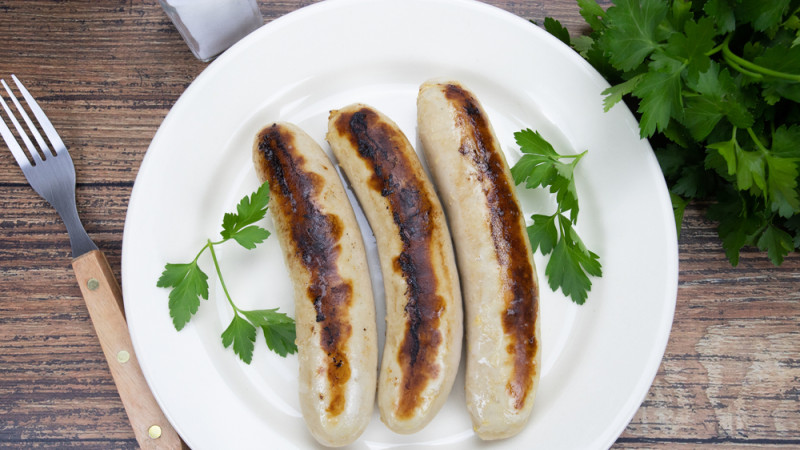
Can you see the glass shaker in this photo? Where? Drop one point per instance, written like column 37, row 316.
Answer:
column 209, row 27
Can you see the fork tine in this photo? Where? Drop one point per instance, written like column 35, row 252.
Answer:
column 42, row 144
column 31, row 149
column 12, row 143
column 44, row 122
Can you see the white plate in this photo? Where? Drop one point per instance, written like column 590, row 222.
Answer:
column 599, row 359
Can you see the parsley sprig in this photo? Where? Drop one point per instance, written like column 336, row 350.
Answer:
column 570, row 263
column 189, row 284
column 716, row 87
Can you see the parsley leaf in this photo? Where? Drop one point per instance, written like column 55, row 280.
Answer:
column 570, row 263
column 631, row 30
column 592, row 13
column 555, row 28
column 279, row 330
column 242, row 334
column 738, row 223
column 693, row 45
column 189, row 283
column 722, row 10
column 782, row 185
column 784, row 142
column 248, row 237
column 715, row 85
column 249, row 210
column 777, row 243
column 613, row 95
column 660, row 94
column 543, row 233
column 281, row 338
column 702, row 114
column 762, row 14
column 750, row 171
column 564, row 271
column 780, row 59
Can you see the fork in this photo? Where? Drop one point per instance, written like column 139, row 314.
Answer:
column 51, row 173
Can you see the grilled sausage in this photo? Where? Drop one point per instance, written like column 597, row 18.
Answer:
column 423, row 299
column 334, row 306
column 501, row 295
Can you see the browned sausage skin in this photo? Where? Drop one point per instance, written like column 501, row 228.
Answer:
column 501, row 294
column 424, row 329
column 334, row 306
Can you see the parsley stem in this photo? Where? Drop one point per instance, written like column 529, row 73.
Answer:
column 715, row 50
column 196, row 257
column 744, row 71
column 577, row 157
column 756, row 140
column 749, row 68
column 210, row 246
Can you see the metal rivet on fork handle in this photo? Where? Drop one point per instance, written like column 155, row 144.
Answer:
column 154, row 432
column 123, row 356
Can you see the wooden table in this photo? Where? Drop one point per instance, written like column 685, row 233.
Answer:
column 107, row 72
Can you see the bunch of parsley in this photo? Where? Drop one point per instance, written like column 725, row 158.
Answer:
column 716, row 88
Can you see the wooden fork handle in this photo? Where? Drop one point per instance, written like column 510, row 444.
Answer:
column 104, row 302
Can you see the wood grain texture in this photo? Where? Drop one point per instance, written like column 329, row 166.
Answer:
column 731, row 373
column 107, row 73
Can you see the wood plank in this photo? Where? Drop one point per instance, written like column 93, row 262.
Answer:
column 730, row 372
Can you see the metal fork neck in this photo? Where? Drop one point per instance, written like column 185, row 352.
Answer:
column 78, row 238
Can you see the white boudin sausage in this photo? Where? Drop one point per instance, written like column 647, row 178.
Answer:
column 498, row 276
column 334, row 305
column 423, row 299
